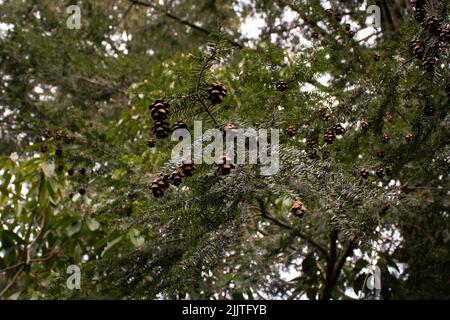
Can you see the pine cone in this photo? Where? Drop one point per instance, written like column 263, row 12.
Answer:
column 326, row 155
column 291, row 131
column 428, row 64
column 46, row 133
column 387, row 171
column 70, row 172
column 445, row 35
column 68, row 138
column 151, row 143
column 281, row 85
column 313, row 155
column 44, row 148
column 311, row 143
column 59, row 152
column 58, row 135
column 82, row 171
column 432, row 25
column 179, row 125
column 409, row 137
column 417, row 49
column 82, row 191
column 176, row 178
column 161, row 129
column 338, row 129
column 380, row 172
column 347, row 27
column 428, row 110
column 315, row 35
column 364, row 173
column 188, row 168
column 380, row 154
column 376, row 57
column 385, row 138
column 231, row 130
column 329, row 137
column 351, row 34
column 224, row 165
column 364, row 124
column 158, row 187
column 217, row 92
column 338, row 17
column 329, row 12
column 327, row 116
column 389, row 118
column 159, row 110
column 420, row 14
column 298, row 209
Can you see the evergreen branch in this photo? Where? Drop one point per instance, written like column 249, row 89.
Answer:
column 285, row 225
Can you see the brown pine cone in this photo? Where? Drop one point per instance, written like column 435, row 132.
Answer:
column 428, row 110
column 326, row 155
column 216, row 93
column 364, row 124
column 59, row 152
column 68, row 138
column 445, row 35
column 157, row 187
column 161, row 129
column 380, row 154
column 329, row 12
column 338, row 129
column 313, row 155
column 281, row 85
column 44, row 148
column 82, row 171
column 432, row 25
column 428, row 64
column 387, row 171
column 347, row 27
column 338, row 17
column 151, row 143
column 327, row 116
column 364, row 173
column 329, row 137
column 409, row 137
column 179, row 125
column 417, row 49
column 311, row 143
column 315, row 35
column 389, row 118
column 420, row 14
column 385, row 138
column 46, row 133
column 82, row 191
column 176, row 178
column 298, row 208
column 380, row 172
column 231, row 130
column 225, row 166
column 291, row 131
column 70, row 172
column 376, row 57
column 58, row 135
column 159, row 110
column 188, row 168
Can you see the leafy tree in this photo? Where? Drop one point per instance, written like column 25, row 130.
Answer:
column 364, row 152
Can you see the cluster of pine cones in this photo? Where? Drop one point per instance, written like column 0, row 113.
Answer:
column 434, row 28
column 330, row 13
column 162, row 183
column 58, row 136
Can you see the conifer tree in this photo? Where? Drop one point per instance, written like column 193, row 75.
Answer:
column 88, row 176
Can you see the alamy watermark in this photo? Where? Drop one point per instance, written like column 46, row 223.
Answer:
column 74, row 20
column 74, row 280
column 238, row 146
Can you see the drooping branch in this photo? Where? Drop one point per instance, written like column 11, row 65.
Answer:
column 182, row 20
column 285, row 225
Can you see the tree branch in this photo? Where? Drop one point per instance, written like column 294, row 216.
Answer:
column 182, row 20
